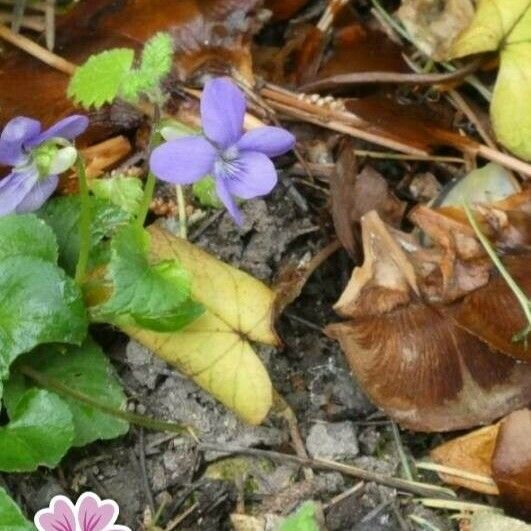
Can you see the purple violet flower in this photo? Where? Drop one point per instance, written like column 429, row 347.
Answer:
column 36, row 158
column 240, row 162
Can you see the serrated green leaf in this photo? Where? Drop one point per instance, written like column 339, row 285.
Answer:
column 155, row 65
column 38, row 304
column 154, row 296
column 85, row 369
column 11, row 517
column 98, row 81
column 205, row 192
column 62, row 215
column 27, row 235
column 157, row 56
column 124, row 192
column 505, row 26
column 39, row 434
column 304, row 519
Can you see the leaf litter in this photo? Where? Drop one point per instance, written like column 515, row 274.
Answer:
column 429, row 323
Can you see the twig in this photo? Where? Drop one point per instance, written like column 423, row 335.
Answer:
column 44, row 55
column 18, row 15
column 376, row 511
column 349, row 470
column 332, row 9
column 504, row 160
column 304, row 322
column 461, row 104
column 143, row 470
column 176, row 521
column 341, row 81
column 455, row 505
column 344, row 495
column 427, row 526
column 406, row 469
column 400, row 156
column 450, row 471
column 205, row 225
column 49, row 17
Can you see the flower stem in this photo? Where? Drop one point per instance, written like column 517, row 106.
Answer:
column 84, row 222
column 521, row 297
column 181, row 204
column 58, row 387
column 149, row 188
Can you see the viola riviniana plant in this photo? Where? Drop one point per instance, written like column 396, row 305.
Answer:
column 240, row 162
column 36, row 159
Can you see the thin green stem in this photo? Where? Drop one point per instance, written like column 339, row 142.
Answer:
column 151, row 180
column 58, row 387
column 521, row 297
column 84, row 222
column 149, row 189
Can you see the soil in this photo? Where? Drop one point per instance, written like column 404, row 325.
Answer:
column 148, row 471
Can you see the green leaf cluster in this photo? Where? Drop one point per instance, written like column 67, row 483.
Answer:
column 43, row 326
column 111, row 74
column 505, row 26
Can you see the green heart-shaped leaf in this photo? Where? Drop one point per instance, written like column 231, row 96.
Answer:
column 39, row 434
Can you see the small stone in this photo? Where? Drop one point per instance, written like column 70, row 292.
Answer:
column 146, row 368
column 333, row 441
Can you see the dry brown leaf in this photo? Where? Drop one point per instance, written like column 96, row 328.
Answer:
column 428, row 374
column 511, row 463
column 386, row 279
column 410, row 357
column 354, row 194
column 470, row 453
column 435, row 24
column 493, row 313
column 421, row 126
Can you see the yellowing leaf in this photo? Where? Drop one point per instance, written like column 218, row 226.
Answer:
column 510, row 109
column 493, row 21
column 215, row 350
column 505, row 25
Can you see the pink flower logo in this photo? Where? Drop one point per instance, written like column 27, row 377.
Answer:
column 90, row 513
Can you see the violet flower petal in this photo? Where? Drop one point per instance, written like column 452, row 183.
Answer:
column 69, row 128
column 183, row 160
column 227, row 199
column 94, row 514
column 271, row 141
column 14, row 188
column 222, row 112
column 59, row 517
column 254, row 175
column 38, row 195
column 15, row 134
